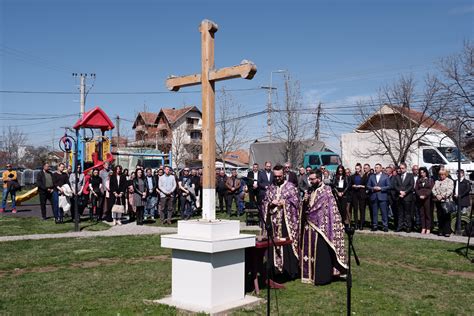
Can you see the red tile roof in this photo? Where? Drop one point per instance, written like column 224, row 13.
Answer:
column 173, row 115
column 420, row 117
column 411, row 114
column 148, row 117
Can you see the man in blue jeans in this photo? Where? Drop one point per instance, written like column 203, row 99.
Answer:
column 152, row 195
column 378, row 186
column 8, row 177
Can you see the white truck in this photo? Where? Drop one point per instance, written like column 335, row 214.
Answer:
column 434, row 148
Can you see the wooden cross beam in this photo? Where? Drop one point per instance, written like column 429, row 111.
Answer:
column 208, row 76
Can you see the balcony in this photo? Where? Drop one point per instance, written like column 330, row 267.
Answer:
column 193, row 127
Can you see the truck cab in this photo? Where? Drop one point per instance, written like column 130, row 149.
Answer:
column 430, row 156
column 317, row 158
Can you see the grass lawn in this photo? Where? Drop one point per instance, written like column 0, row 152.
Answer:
column 10, row 226
column 113, row 275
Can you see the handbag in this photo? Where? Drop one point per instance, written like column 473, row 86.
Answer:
column 118, row 208
column 448, row 207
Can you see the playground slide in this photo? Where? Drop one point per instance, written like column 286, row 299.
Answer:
column 28, row 195
column 100, row 164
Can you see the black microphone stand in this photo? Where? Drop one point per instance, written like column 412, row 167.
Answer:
column 269, row 265
column 350, row 233
column 469, row 234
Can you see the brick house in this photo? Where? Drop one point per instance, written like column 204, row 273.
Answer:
column 175, row 130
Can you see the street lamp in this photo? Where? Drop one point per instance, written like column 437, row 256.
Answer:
column 458, row 215
column 270, row 106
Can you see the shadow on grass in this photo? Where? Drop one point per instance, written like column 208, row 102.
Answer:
column 461, row 251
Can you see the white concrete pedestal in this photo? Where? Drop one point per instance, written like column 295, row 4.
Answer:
column 208, row 266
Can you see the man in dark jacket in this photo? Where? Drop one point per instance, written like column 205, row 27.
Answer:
column 152, row 195
column 221, row 189
column 290, row 175
column 462, row 194
column 404, row 184
column 44, row 182
column 265, row 179
column 252, row 185
column 379, row 186
column 232, row 185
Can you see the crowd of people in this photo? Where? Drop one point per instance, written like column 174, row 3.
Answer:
column 113, row 192
column 405, row 199
column 307, row 211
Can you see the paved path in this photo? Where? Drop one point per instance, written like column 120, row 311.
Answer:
column 124, row 230
column 132, row 229
column 453, row 238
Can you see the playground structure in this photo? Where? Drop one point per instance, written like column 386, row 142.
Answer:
column 92, row 145
column 93, row 151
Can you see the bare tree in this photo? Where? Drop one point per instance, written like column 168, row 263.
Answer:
column 457, row 81
column 291, row 121
column 401, row 118
column 229, row 134
column 34, row 157
column 178, row 145
column 13, row 145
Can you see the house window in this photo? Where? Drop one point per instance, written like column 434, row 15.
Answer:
column 196, row 135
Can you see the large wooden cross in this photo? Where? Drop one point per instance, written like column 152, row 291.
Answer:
column 208, row 76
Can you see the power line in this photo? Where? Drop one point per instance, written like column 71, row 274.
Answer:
column 118, row 92
column 32, row 59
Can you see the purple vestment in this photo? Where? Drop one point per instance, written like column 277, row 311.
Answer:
column 322, row 219
column 287, row 215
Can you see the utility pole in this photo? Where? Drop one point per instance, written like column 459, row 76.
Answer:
column 270, row 105
column 117, row 124
column 318, row 116
column 82, row 91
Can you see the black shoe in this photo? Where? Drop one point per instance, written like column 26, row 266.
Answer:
column 385, row 230
column 408, row 230
column 398, row 230
column 374, row 229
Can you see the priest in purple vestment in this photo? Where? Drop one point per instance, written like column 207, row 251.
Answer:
column 282, row 206
column 322, row 243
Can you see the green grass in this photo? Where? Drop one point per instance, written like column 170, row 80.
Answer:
column 10, row 226
column 113, row 275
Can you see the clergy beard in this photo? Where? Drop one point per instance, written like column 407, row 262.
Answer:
column 279, row 181
column 314, row 186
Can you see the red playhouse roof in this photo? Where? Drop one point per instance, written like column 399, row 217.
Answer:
column 95, row 118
